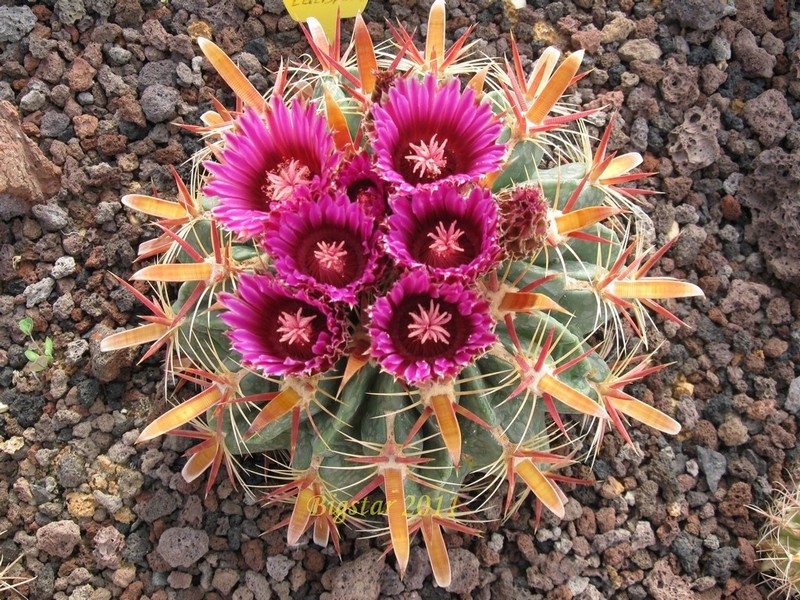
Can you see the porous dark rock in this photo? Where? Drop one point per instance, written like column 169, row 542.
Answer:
column 155, row 35
column 772, row 191
column 158, row 103
column 38, row 291
column 712, row 77
column 359, row 578
column 689, row 549
column 688, row 244
column 713, row 465
column 112, row 84
column 464, row 567
column 617, row 29
column 769, row 116
column 71, row 471
column 694, row 143
column 15, row 23
column 51, row 216
column 70, row 11
column 224, row 580
column 128, row 13
column 750, row 14
column 32, row 101
column 108, row 544
column 419, row 568
column 641, row 49
column 663, row 584
column 158, row 506
column 54, row 124
column 160, row 72
column 679, row 85
column 24, row 407
column 588, row 40
column 58, row 538
column 792, row 403
column 722, row 563
column 279, row 566
column 106, row 366
column 182, row 546
column 80, row 75
column 755, row 60
column 698, row 14
column 258, row 585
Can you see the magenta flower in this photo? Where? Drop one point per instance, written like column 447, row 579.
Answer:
column 362, row 184
column 329, row 244
column 427, row 134
column 269, row 161
column 424, row 331
column 448, row 235
column 282, row 331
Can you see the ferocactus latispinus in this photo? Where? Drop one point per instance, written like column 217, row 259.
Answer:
column 405, row 289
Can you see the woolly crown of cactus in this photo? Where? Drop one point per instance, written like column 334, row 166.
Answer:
column 406, row 289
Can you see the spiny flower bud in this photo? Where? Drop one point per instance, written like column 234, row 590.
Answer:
column 523, row 220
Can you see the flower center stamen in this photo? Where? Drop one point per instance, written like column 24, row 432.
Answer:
column 295, row 328
column 445, row 241
column 428, row 157
column 331, row 255
column 283, row 181
column 429, row 324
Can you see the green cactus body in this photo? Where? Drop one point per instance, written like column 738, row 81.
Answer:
column 779, row 545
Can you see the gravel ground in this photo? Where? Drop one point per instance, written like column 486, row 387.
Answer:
column 709, row 92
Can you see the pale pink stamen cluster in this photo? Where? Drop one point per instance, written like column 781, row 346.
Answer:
column 295, row 327
column 429, row 324
column 331, row 255
column 286, row 180
column 428, row 158
column 445, row 241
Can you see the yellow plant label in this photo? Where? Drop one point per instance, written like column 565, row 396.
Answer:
column 324, row 11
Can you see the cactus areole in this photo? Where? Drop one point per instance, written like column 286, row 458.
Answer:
column 779, row 544
column 409, row 277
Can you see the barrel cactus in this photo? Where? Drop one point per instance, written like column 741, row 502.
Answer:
column 406, row 276
column 779, row 544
